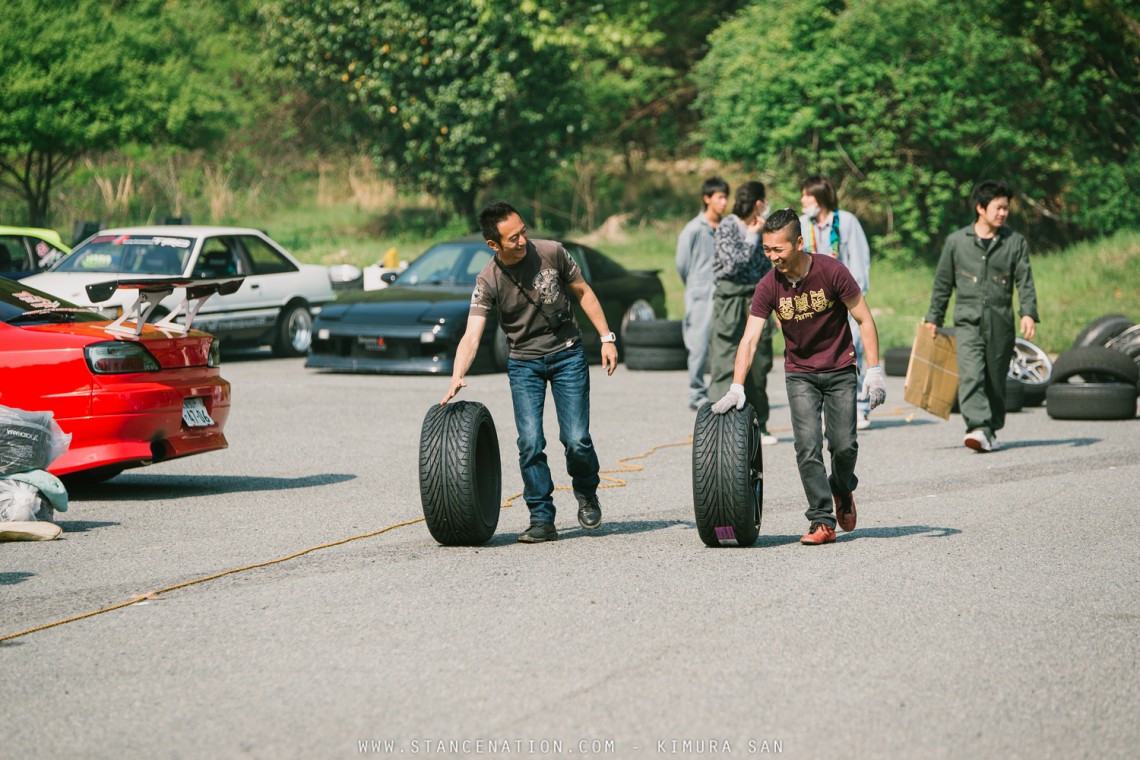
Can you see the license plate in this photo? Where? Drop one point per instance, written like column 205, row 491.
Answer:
column 194, row 412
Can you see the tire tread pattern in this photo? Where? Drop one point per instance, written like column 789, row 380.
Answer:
column 457, row 510
column 723, row 494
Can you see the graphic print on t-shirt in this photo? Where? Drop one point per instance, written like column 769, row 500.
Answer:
column 546, row 283
column 803, row 306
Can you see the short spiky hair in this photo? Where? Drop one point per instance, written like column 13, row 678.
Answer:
column 489, row 218
column 783, row 219
column 989, row 189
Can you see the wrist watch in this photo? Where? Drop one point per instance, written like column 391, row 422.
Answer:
column 611, row 338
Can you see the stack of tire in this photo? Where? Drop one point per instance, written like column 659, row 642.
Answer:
column 654, row 344
column 1097, row 378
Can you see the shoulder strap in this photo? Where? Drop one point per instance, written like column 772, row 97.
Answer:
column 518, row 285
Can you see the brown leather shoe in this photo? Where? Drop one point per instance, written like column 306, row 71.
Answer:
column 845, row 511
column 819, row 533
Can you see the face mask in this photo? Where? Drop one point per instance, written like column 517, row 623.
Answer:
column 811, row 211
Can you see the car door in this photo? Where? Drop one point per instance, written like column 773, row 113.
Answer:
column 238, row 316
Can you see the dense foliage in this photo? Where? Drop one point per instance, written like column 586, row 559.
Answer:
column 908, row 103
column 905, row 103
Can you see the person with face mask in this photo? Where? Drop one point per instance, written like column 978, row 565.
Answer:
column 827, row 229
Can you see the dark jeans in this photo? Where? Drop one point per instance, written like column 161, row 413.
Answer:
column 831, row 394
column 569, row 377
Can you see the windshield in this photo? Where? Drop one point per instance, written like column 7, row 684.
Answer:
column 447, row 264
column 24, row 305
column 130, row 254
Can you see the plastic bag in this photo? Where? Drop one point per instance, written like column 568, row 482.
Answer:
column 29, row 440
column 21, row 502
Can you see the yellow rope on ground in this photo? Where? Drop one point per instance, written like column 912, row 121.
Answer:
column 614, row 483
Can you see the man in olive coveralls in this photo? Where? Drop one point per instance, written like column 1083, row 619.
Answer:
column 982, row 261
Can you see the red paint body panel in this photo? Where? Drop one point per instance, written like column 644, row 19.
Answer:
column 124, row 419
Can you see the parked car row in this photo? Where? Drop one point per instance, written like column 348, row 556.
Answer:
column 121, row 337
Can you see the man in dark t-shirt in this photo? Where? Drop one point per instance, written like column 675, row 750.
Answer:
column 528, row 284
column 812, row 295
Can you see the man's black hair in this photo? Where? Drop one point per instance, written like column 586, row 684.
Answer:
column 713, row 185
column 781, row 219
column 989, row 189
column 489, row 218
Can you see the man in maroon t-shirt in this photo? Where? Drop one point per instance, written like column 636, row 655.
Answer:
column 812, row 296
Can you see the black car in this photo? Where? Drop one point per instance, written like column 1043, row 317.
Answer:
column 414, row 325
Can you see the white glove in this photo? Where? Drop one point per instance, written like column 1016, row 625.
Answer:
column 874, row 387
column 734, row 398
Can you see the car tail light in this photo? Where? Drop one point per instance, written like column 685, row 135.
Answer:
column 214, row 359
column 119, row 357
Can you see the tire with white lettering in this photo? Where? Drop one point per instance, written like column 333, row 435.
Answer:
column 1091, row 401
column 460, row 473
column 656, row 357
column 293, row 333
column 1101, row 330
column 1095, row 364
column 728, row 476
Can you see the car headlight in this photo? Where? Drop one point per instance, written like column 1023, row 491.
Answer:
column 214, row 358
column 119, row 357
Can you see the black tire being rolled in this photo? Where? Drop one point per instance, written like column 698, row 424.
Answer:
column 728, row 476
column 655, row 357
column 664, row 333
column 1091, row 401
column 896, row 361
column 1101, row 330
column 460, row 473
column 1095, row 364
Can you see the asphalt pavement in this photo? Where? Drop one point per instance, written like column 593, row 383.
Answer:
column 986, row 606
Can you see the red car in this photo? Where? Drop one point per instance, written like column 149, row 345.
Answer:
column 129, row 395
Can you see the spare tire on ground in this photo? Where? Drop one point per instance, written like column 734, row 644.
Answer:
column 666, row 333
column 896, row 361
column 1101, row 330
column 728, row 476
column 1091, row 401
column 1033, row 367
column 460, row 473
column 1128, row 342
column 1095, row 364
column 656, row 357
column 1014, row 395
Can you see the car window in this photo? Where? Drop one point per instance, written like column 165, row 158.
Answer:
column 130, row 254
column 477, row 260
column 217, row 260
column 23, row 305
column 437, row 264
column 44, row 254
column 265, row 258
column 13, row 258
column 602, row 267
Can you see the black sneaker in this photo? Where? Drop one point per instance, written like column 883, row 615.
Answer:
column 537, row 533
column 590, row 513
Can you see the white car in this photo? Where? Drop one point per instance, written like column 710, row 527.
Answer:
column 274, row 305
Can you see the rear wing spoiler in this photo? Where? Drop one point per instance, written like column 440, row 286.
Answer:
column 152, row 291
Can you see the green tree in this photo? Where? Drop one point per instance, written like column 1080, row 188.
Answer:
column 454, row 95
column 87, row 76
column 908, row 113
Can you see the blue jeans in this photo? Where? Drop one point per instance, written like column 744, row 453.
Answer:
column 831, row 394
column 569, row 377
